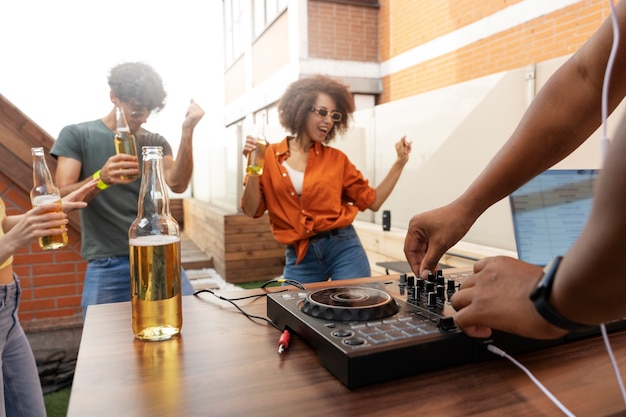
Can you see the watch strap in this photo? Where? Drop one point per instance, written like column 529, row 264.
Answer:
column 544, row 308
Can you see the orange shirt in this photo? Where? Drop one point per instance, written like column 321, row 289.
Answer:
column 333, row 192
column 2, row 216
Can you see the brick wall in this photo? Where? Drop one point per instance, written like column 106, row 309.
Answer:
column 346, row 32
column 51, row 280
column 406, row 24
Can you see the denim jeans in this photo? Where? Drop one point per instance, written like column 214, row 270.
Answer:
column 21, row 388
column 339, row 256
column 107, row 280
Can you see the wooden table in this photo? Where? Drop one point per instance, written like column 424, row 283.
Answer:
column 225, row 364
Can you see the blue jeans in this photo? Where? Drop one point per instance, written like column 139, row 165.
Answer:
column 338, row 256
column 21, row 388
column 107, row 280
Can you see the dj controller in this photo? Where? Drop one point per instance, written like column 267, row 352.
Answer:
column 363, row 334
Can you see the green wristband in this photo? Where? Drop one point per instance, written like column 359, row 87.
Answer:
column 101, row 184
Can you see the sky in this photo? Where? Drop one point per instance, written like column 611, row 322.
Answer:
column 56, row 56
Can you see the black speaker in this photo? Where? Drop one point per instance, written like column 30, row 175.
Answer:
column 386, row 220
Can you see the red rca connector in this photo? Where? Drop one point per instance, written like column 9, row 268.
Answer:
column 283, row 342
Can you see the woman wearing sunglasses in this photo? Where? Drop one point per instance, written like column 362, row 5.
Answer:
column 313, row 192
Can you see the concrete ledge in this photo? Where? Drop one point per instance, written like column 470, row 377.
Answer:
column 53, row 335
column 55, row 344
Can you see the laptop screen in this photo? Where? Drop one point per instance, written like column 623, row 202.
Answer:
column 550, row 211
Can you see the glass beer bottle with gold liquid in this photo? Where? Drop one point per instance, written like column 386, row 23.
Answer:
column 155, row 262
column 256, row 158
column 44, row 192
column 124, row 140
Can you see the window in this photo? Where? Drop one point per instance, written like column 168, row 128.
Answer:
column 239, row 15
column 265, row 12
column 233, row 30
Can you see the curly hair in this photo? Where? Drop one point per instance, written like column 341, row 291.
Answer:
column 295, row 104
column 138, row 82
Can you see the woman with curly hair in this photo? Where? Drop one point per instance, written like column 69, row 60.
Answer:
column 313, row 192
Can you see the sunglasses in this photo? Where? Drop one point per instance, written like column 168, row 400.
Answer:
column 135, row 114
column 135, row 110
column 335, row 116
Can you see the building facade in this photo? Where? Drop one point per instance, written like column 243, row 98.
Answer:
column 454, row 76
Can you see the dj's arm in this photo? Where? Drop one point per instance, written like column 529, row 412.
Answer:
column 558, row 121
column 565, row 112
column 589, row 285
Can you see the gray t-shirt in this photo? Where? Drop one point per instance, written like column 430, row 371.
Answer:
column 105, row 221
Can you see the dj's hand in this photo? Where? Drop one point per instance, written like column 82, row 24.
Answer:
column 431, row 234
column 497, row 296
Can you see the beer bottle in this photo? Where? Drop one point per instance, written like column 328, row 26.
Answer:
column 43, row 192
column 155, row 263
column 124, row 140
column 256, row 158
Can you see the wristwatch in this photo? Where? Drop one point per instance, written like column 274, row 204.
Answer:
column 541, row 295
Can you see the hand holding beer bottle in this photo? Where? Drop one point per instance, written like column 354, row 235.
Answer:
column 124, row 139
column 45, row 192
column 36, row 224
column 256, row 156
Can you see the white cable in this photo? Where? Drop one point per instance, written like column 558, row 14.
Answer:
column 607, row 343
column 604, row 141
column 496, row 350
column 604, row 144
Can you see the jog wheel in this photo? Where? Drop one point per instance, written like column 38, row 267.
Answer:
column 349, row 304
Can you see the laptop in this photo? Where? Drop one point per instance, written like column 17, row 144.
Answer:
column 550, row 211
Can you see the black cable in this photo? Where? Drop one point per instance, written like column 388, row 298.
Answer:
column 232, row 301
column 283, row 342
column 284, row 281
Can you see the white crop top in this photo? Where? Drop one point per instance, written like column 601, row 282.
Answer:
column 297, row 177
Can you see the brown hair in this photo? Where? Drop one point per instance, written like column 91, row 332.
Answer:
column 138, row 82
column 295, row 104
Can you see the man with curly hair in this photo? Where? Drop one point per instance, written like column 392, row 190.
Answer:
column 86, row 150
column 313, row 192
